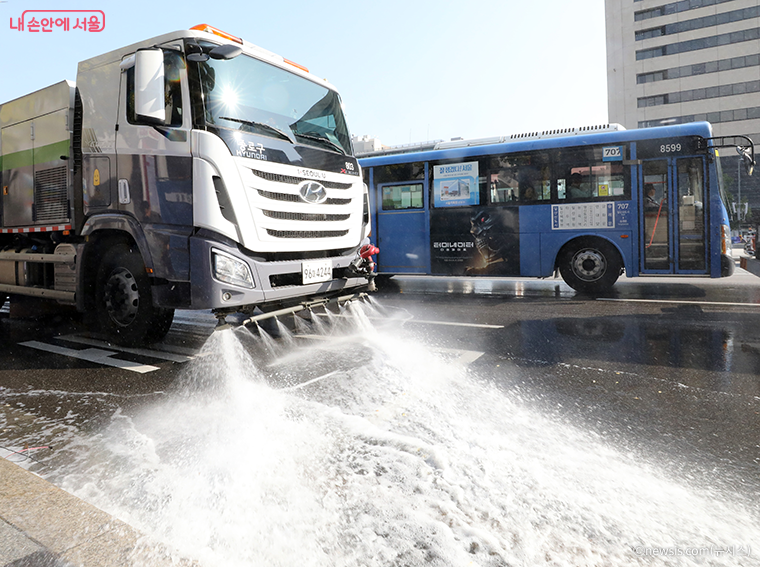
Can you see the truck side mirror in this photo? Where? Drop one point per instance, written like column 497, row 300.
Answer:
column 225, row 52
column 194, row 52
column 150, row 104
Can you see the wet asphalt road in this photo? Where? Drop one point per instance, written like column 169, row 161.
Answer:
column 667, row 369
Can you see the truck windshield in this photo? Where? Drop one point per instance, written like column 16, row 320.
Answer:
column 250, row 95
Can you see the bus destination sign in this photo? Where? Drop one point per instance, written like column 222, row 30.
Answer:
column 668, row 147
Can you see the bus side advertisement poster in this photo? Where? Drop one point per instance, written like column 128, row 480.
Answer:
column 456, row 184
column 475, row 241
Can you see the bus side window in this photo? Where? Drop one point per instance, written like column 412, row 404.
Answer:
column 522, row 178
column 584, row 175
column 577, row 183
column 535, row 183
column 400, row 197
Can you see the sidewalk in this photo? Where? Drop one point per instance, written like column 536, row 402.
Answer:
column 43, row 526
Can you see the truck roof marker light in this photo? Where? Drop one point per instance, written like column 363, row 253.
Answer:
column 210, row 29
column 289, row 62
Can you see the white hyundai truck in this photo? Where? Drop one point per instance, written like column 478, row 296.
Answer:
column 192, row 170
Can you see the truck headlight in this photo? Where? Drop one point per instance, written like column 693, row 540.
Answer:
column 230, row 270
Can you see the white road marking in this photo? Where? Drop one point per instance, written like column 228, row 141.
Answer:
column 424, row 322
column 303, row 384
column 92, row 355
column 722, row 303
column 464, row 357
column 179, row 355
column 455, row 324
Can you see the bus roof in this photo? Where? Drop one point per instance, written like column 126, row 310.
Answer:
column 703, row 129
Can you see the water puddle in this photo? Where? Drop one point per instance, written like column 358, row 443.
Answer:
column 357, row 446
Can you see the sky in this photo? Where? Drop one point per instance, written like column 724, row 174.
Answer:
column 408, row 71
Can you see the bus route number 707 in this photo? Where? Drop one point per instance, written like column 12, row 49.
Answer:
column 612, row 153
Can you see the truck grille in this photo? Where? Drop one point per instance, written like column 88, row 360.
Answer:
column 306, row 233
column 51, row 201
column 292, row 180
column 296, row 199
column 305, row 216
column 283, row 216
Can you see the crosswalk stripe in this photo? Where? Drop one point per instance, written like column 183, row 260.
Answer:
column 96, row 355
column 179, row 355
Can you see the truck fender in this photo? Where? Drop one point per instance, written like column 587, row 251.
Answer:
column 122, row 223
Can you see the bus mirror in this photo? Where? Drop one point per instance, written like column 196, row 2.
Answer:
column 747, row 159
column 149, row 86
column 745, row 148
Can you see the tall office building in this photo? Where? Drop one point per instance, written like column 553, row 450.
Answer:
column 686, row 61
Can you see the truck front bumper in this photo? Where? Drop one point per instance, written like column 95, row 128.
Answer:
column 270, row 282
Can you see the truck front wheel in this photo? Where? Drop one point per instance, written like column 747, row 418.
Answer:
column 124, row 300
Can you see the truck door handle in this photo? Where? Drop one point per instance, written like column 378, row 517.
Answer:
column 124, row 197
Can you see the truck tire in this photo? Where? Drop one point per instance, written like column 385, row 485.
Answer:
column 590, row 265
column 124, row 300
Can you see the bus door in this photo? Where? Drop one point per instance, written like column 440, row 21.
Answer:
column 673, row 200
column 403, row 228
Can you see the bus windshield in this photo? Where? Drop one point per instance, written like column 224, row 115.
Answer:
column 250, row 95
column 719, row 178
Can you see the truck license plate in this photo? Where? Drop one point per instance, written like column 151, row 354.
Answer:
column 316, row 271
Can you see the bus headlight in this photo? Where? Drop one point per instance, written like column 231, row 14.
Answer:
column 725, row 234
column 230, row 270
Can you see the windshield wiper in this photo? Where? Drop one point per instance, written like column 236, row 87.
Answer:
column 263, row 125
column 323, row 140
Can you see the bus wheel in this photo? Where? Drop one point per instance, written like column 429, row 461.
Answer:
column 590, row 265
column 124, row 300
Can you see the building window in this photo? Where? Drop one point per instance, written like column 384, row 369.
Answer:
column 699, row 23
column 713, row 117
column 699, row 94
column 697, row 44
column 674, row 8
column 650, row 33
column 650, row 53
column 649, row 14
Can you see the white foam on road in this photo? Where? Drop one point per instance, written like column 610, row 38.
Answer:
column 370, row 449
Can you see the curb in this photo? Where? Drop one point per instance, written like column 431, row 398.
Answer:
column 44, row 526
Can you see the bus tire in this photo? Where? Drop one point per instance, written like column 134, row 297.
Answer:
column 382, row 281
column 590, row 265
column 124, row 301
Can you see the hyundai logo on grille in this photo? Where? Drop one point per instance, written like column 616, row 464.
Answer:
column 312, row 192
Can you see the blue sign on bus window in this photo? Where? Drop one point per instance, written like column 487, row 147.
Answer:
column 623, row 214
column 583, row 216
column 612, row 153
column 456, row 185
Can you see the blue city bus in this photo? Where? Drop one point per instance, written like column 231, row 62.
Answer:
column 586, row 203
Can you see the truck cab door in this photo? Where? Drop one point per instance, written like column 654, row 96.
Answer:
column 153, row 160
